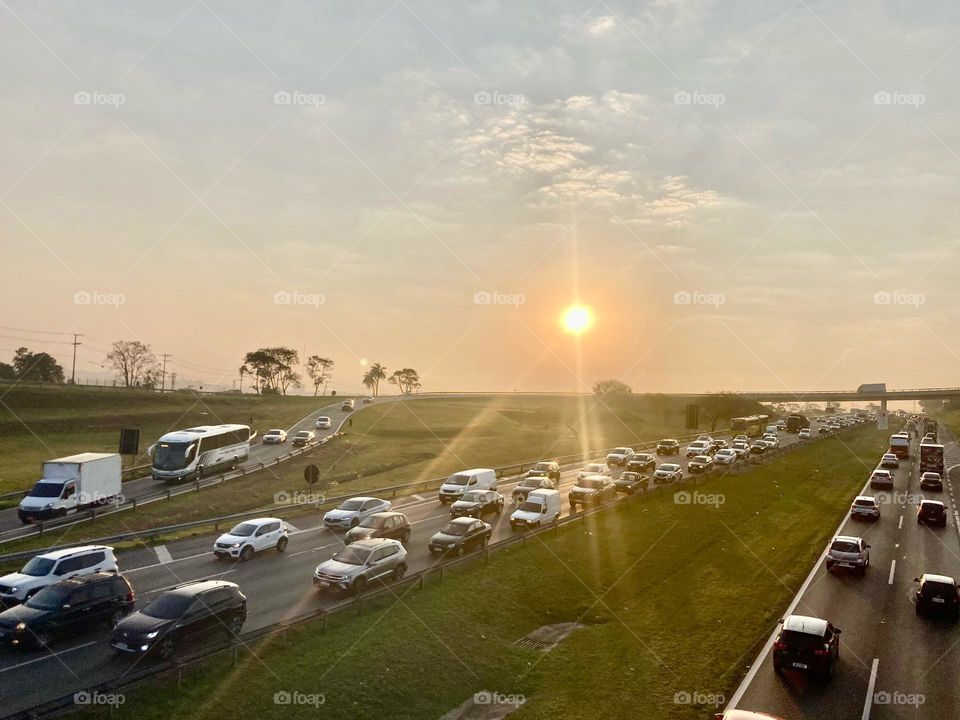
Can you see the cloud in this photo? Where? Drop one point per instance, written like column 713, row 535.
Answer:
column 603, row 25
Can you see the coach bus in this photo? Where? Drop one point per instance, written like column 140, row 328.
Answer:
column 751, row 426
column 188, row 454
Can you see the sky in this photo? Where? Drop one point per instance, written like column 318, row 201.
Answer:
column 747, row 195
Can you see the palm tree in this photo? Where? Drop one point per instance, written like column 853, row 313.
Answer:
column 376, row 373
column 368, row 380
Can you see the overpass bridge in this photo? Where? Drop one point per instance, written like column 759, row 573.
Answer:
column 864, row 394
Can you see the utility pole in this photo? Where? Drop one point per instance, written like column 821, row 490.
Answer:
column 173, row 380
column 163, row 375
column 73, row 368
column 241, row 380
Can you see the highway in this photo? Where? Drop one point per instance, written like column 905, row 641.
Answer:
column 277, row 587
column 892, row 663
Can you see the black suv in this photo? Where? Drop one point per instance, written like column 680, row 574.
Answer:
column 67, row 608
column 937, row 595
column 932, row 512
column 187, row 611
column 806, row 644
column 391, row 525
column 642, row 462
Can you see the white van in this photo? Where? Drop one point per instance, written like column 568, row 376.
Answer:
column 541, row 507
column 460, row 482
column 771, row 430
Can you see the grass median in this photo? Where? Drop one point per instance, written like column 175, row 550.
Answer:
column 674, row 598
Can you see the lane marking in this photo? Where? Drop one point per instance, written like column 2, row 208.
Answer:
column 290, row 526
column 900, row 524
column 893, row 567
column 49, row 656
column 163, row 555
column 418, row 497
column 868, row 704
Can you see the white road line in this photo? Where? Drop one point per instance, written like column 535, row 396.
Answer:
column 290, row 526
column 418, row 497
column 163, row 555
column 48, row 657
column 893, row 567
column 900, row 524
column 868, row 703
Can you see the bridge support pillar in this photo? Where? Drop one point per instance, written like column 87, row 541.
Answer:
column 883, row 404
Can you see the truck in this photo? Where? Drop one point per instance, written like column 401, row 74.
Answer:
column 872, row 388
column 796, row 423
column 72, row 483
column 931, row 458
column 930, row 426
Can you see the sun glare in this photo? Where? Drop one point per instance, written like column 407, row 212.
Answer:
column 577, row 319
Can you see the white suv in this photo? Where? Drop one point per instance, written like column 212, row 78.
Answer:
column 252, row 536
column 53, row 567
column 620, row 456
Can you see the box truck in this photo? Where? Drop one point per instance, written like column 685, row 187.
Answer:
column 72, row 483
column 931, row 458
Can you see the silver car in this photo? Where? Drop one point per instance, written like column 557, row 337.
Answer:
column 360, row 563
column 866, row 507
column 352, row 511
column 849, row 552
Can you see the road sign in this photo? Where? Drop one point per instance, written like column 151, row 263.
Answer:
column 311, row 473
column 883, row 420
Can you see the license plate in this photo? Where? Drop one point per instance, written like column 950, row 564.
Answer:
column 800, row 666
column 845, row 564
column 123, row 646
column 938, row 600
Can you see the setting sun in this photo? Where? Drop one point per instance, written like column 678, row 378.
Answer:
column 577, row 319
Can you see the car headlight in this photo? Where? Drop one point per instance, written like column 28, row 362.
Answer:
column 13, row 590
column 20, row 626
column 152, row 635
column 236, row 545
column 48, row 506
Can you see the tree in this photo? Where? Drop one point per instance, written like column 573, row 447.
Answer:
column 376, row 373
column 723, row 406
column 38, row 367
column 319, row 370
column 134, row 363
column 407, row 380
column 368, row 381
column 603, row 388
column 272, row 369
column 7, row 371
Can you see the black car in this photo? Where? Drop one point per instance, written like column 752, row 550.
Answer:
column 642, row 462
column 592, row 490
column 631, row 482
column 477, row 503
column 70, row 607
column 806, row 644
column 669, row 446
column 530, row 483
column 932, row 512
column 392, row 525
column 545, row 468
column 187, row 611
column 937, row 595
column 931, row 481
column 461, row 534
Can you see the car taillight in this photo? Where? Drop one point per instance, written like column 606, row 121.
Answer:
column 778, row 645
column 130, row 596
column 822, row 651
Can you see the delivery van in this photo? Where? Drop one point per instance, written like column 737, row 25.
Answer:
column 460, row 482
column 541, row 507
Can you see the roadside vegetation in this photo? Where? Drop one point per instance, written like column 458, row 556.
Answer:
column 674, row 599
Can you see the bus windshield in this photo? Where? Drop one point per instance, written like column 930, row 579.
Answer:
column 174, row 455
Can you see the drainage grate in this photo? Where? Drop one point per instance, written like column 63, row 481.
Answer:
column 531, row 644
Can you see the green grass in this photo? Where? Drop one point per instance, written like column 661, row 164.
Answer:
column 673, row 598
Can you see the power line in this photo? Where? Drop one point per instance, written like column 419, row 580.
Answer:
column 34, row 332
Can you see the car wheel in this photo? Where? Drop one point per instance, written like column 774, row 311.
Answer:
column 484, row 540
column 499, row 508
column 400, row 571
column 282, row 544
column 406, row 538
column 916, row 608
column 166, row 648
column 246, row 553
column 359, row 585
column 235, row 625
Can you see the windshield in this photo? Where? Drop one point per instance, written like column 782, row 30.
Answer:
column 351, row 505
column 374, row 521
column 629, row 477
column 542, row 466
column 472, row 497
column 530, row 506
column 168, row 606
column 668, row 467
column 303, row 434
column 845, row 546
column 622, row 451
column 38, row 567
column 643, row 457
column 47, row 490
column 590, row 483
column 244, row 530
column 457, row 480
column 532, row 481
column 352, row 556
column 173, row 456
column 50, row 598
column 457, row 529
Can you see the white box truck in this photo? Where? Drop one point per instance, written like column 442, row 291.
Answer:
column 72, row 483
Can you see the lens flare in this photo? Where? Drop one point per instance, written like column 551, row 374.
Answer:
column 577, row 319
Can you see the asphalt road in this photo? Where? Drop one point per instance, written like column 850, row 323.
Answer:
column 892, row 663
column 277, row 587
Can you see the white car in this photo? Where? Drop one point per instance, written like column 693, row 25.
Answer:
column 699, row 447
column 805, row 434
column 53, row 567
column 726, row 456
column 772, row 441
column 323, row 423
column 865, row 506
column 352, row 511
column 274, row 437
column 620, row 456
column 668, row 472
column 252, row 536
column 742, row 449
column 593, row 469
column 741, row 438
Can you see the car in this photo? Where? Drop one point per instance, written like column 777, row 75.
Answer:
column 477, row 503
column 668, row 446
column 781, row 424
column 631, row 482
column 743, row 715
column 667, row 472
column 274, row 437
column 545, row 468
column 619, row 456
column 187, row 611
column 459, row 535
column 529, row 484
column 465, row 481
column 252, row 536
column 67, row 608
column 741, row 438
column 368, row 401
column 726, row 456
column 889, row 460
column 759, row 447
column 347, row 405
column 866, row 507
column 323, row 423
column 352, row 512
column 52, row 567
column 540, row 507
column 741, row 448
column 881, row 480
column 642, row 462
column 591, row 490
column 932, row 512
column 700, row 464
column 772, row 441
column 704, row 438
column 592, row 469
column 303, row 437
column 392, row 525
column 805, row 433
column 352, row 569
column 823, row 430
column 931, row 481
column 850, row 552
column 937, row 595
column 718, row 445
column 699, row 447
column 805, row 643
